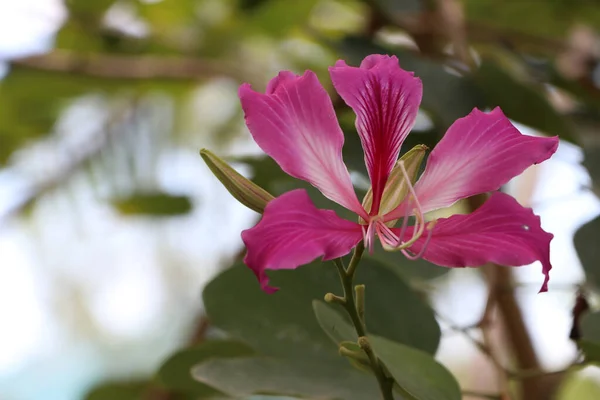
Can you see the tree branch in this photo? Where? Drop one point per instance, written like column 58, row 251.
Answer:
column 500, row 279
column 126, row 66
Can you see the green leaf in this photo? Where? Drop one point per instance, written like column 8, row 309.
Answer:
column 240, row 377
column 153, row 204
column 547, row 19
column 133, row 390
column 175, row 373
column 590, row 337
column 283, row 329
column 591, row 162
column 522, row 102
column 590, row 349
column 235, row 303
column 586, row 244
column 336, row 326
column 277, row 17
column 94, row 7
column 400, row 6
column 417, row 373
column 410, row 270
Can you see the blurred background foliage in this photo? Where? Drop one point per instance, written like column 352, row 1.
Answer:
column 111, row 226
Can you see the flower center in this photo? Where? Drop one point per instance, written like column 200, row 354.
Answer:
column 398, row 242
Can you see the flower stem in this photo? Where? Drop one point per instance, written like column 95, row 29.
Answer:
column 349, row 303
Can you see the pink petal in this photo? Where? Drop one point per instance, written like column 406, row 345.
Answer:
column 295, row 124
column 500, row 231
column 293, row 232
column 478, row 153
column 385, row 99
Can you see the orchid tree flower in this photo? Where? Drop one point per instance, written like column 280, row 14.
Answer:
column 294, row 123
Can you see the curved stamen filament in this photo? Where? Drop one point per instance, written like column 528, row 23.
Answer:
column 397, row 242
column 420, row 254
column 369, row 237
column 405, row 218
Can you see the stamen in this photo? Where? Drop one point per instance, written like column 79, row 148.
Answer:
column 424, row 248
column 386, row 235
column 369, row 236
column 419, row 226
column 405, row 220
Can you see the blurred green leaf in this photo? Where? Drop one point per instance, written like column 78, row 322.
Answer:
column 175, row 373
column 241, row 377
column 586, row 244
column 95, row 7
column 134, row 390
column 591, row 162
column 283, row 328
column 153, row 204
column 408, row 269
column 417, row 373
column 590, row 337
column 545, row 18
column 30, row 101
column 521, row 102
column 277, row 17
column 396, row 7
column 235, row 303
column 334, row 324
column 591, row 350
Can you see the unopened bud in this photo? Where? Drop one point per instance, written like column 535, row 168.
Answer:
column 355, row 355
column 243, row 189
column 332, row 298
column 364, row 344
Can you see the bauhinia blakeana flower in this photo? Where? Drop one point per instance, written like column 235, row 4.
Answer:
column 294, row 122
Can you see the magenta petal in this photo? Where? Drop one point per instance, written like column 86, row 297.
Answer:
column 295, row 124
column 478, row 153
column 385, row 99
column 500, row 231
column 293, row 232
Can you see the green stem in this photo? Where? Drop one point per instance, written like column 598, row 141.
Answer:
column 386, row 384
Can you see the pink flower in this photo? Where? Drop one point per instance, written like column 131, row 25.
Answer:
column 294, row 123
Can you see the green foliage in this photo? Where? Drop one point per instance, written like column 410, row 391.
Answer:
column 30, row 102
column 277, row 17
column 544, row 18
column 134, row 390
column 316, row 379
column 153, row 204
column 235, row 303
column 586, row 244
column 296, row 357
column 590, row 337
column 175, row 373
column 522, row 102
column 417, row 373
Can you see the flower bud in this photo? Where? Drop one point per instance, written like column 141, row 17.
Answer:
column 243, row 189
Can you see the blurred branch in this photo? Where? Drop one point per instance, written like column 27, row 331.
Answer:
column 490, row 396
column 126, row 67
column 540, row 385
column 431, row 25
column 77, row 160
